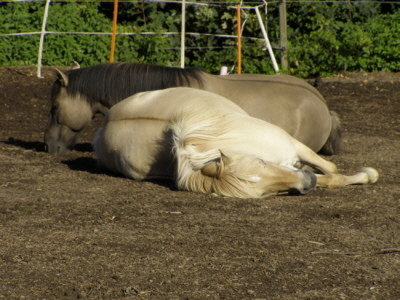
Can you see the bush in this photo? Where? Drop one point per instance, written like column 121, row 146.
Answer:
column 332, row 46
column 324, row 38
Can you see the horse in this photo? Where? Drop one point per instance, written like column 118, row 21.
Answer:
column 206, row 143
column 283, row 100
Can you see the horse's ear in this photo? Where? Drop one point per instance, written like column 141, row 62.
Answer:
column 75, row 66
column 212, row 168
column 215, row 167
column 62, row 77
column 225, row 159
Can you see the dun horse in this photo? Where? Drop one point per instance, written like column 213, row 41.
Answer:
column 192, row 136
column 285, row 101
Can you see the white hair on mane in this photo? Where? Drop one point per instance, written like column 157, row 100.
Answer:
column 210, row 171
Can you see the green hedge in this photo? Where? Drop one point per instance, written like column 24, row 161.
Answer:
column 324, row 38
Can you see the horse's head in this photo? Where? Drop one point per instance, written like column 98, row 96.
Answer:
column 243, row 176
column 275, row 179
column 68, row 116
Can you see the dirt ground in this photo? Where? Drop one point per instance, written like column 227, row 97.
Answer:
column 68, row 230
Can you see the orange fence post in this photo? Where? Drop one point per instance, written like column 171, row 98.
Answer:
column 114, row 31
column 239, row 45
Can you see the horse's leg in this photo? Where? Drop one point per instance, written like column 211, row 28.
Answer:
column 330, row 177
column 310, row 158
column 367, row 175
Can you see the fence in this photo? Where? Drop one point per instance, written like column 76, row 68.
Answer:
column 241, row 9
column 114, row 33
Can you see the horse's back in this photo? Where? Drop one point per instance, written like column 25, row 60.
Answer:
column 286, row 101
column 164, row 104
column 274, row 80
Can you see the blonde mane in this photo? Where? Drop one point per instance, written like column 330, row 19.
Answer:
column 210, row 171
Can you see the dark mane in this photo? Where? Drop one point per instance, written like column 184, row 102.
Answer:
column 110, row 83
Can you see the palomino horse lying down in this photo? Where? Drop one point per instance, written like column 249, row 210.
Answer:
column 208, row 144
column 285, row 101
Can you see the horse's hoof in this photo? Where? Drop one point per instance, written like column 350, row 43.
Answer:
column 373, row 174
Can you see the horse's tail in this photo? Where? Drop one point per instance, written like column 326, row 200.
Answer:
column 334, row 141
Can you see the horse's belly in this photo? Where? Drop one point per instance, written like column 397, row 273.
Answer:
column 137, row 149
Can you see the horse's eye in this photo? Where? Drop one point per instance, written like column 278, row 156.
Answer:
column 75, row 130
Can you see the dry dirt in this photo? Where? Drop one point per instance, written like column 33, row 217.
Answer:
column 70, row 231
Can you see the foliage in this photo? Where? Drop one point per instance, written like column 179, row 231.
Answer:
column 340, row 38
column 63, row 49
column 324, row 38
column 16, row 18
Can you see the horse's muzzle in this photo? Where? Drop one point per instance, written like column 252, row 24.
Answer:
column 309, row 183
column 56, row 148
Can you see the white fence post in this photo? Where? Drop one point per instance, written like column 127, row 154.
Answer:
column 267, row 43
column 183, row 32
column 43, row 32
column 224, row 70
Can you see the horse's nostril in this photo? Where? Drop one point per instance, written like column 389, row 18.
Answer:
column 295, row 192
column 313, row 179
column 309, row 183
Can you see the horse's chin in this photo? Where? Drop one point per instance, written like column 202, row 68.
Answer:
column 60, row 146
column 57, row 149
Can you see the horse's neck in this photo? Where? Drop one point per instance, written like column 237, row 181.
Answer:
column 101, row 108
column 210, row 83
